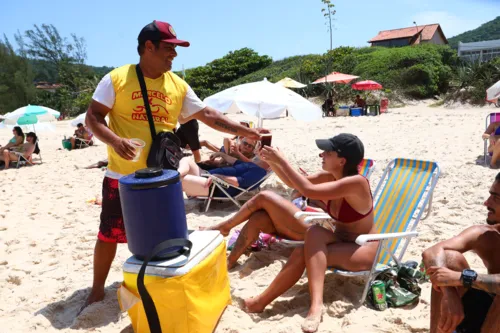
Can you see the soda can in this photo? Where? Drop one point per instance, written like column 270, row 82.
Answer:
column 379, row 297
column 425, row 277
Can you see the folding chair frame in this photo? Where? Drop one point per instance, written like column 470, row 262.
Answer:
column 223, row 186
column 492, row 117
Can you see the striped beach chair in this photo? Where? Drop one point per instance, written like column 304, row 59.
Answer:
column 366, row 168
column 491, row 118
column 403, row 197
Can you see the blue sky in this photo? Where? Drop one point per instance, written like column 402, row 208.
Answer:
column 277, row 28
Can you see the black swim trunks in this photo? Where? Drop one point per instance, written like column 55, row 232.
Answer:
column 188, row 134
column 476, row 304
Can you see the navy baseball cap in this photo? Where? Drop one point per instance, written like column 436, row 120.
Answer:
column 160, row 31
column 346, row 145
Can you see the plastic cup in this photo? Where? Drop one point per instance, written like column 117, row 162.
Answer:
column 139, row 146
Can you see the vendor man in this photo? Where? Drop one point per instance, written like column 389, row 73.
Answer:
column 119, row 97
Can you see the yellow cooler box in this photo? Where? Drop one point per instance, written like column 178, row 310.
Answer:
column 189, row 292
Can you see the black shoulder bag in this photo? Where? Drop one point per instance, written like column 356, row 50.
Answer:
column 165, row 151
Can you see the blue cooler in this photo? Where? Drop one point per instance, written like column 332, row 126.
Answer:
column 356, row 112
column 153, row 210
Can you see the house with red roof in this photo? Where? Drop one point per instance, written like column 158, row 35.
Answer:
column 431, row 34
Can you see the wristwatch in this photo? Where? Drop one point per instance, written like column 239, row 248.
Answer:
column 468, row 277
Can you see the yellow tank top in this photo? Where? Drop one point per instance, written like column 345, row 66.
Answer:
column 128, row 118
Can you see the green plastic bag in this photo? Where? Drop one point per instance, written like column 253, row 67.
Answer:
column 401, row 285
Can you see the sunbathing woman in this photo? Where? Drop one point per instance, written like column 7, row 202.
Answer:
column 16, row 140
column 348, row 200
column 26, row 149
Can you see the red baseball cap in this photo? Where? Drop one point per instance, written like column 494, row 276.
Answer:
column 160, row 31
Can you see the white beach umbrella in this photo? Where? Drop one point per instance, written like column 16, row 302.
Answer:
column 78, row 120
column 290, row 83
column 37, row 117
column 264, row 100
column 493, row 93
column 81, row 119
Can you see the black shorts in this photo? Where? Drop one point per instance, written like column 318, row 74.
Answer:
column 188, row 134
column 476, row 304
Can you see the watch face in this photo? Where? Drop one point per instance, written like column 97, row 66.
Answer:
column 469, row 273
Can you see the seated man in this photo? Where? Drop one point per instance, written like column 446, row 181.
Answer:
column 80, row 133
column 359, row 102
column 492, row 134
column 26, row 149
column 243, row 150
column 461, row 299
column 189, row 137
column 240, row 174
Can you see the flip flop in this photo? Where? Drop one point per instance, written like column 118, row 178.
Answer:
column 232, row 240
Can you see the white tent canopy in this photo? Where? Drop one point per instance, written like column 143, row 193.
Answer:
column 264, row 100
column 493, row 93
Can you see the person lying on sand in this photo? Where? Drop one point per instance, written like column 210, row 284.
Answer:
column 462, row 299
column 98, row 165
column 348, row 200
column 240, row 174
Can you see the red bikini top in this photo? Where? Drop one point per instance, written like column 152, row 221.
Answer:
column 347, row 214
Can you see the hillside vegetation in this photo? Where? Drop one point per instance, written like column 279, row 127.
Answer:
column 488, row 31
column 418, row 72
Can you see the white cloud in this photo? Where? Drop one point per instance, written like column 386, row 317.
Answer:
column 451, row 24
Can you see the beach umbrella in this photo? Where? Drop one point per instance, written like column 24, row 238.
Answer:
column 493, row 93
column 366, row 85
column 40, row 117
column 264, row 100
column 290, row 83
column 79, row 119
column 336, row 77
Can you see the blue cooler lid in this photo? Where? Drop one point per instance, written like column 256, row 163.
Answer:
column 148, row 178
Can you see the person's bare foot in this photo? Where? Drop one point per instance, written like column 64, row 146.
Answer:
column 94, row 297
column 231, row 264
column 252, row 305
column 224, row 230
column 313, row 319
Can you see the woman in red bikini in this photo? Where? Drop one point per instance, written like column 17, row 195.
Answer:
column 347, row 198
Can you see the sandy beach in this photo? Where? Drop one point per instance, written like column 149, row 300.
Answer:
column 48, row 230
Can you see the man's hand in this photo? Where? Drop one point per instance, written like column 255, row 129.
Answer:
column 216, row 155
column 452, row 312
column 255, row 133
column 444, row 277
column 235, row 148
column 124, row 148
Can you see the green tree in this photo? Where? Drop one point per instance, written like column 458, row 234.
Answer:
column 62, row 60
column 328, row 12
column 16, row 79
column 216, row 75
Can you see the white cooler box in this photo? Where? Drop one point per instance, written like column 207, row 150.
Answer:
column 189, row 292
